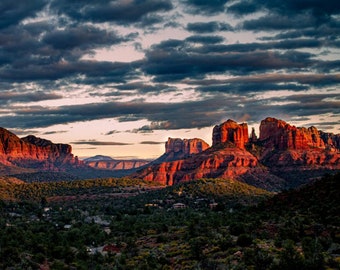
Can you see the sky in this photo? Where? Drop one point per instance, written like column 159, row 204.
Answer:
column 119, row 77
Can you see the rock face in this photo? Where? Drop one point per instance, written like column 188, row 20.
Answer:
column 287, row 146
column 331, row 140
column 262, row 162
column 278, row 134
column 223, row 163
column 232, row 132
column 35, row 152
column 185, row 160
column 185, row 146
column 176, row 149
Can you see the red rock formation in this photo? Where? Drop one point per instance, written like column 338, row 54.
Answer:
column 232, row 132
column 176, row 148
column 277, row 134
column 253, row 137
column 281, row 147
column 331, row 140
column 295, row 146
column 34, row 152
column 185, row 146
column 223, row 163
column 117, row 164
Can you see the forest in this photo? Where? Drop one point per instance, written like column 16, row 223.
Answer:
column 131, row 224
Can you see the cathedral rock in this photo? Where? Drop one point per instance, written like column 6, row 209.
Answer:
column 230, row 131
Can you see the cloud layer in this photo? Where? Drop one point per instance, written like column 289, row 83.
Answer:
column 175, row 64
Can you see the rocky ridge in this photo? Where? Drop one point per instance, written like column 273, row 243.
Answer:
column 33, row 152
column 108, row 163
column 261, row 161
column 176, row 148
column 116, row 164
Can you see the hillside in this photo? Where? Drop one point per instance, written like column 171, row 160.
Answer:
column 206, row 224
column 319, row 199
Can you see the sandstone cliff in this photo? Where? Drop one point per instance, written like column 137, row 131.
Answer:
column 331, row 140
column 275, row 133
column 287, row 145
column 232, row 132
column 185, row 160
column 282, row 150
column 176, row 149
column 33, row 152
column 212, row 163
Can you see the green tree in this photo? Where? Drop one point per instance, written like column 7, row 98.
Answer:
column 312, row 250
column 290, row 258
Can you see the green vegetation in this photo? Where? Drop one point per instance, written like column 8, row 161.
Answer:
column 205, row 224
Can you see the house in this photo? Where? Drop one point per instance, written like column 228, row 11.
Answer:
column 179, row 205
column 110, row 248
column 213, row 205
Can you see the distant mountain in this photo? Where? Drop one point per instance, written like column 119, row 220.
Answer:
column 98, row 158
column 176, row 148
column 284, row 156
column 108, row 163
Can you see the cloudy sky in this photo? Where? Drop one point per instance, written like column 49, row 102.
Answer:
column 120, row 77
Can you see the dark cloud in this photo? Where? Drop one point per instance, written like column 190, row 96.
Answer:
column 55, row 132
column 112, row 132
column 81, row 37
column 110, row 11
column 184, row 115
column 172, row 60
column 292, row 7
column 286, row 15
column 208, row 27
column 268, row 80
column 179, row 115
column 38, row 52
column 205, row 7
column 275, row 22
column 15, row 96
column 94, row 72
column 95, row 142
column 205, row 39
column 151, row 143
column 294, row 53
column 244, row 88
column 12, row 12
column 291, row 44
column 143, row 87
column 243, row 7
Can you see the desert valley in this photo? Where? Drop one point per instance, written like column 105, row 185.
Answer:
column 248, row 201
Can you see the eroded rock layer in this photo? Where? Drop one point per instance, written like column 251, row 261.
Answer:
column 33, row 152
column 259, row 161
column 230, row 131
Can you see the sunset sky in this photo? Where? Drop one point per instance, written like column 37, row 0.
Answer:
column 119, row 77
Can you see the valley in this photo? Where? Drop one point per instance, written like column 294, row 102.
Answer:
column 246, row 202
